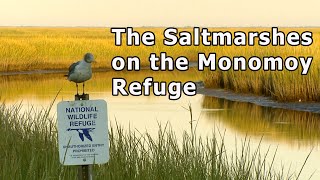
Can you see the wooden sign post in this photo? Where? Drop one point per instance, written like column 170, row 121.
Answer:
column 84, row 171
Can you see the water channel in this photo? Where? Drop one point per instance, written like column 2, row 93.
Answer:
column 291, row 133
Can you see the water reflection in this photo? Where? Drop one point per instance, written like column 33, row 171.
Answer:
column 19, row 87
column 294, row 133
column 293, row 127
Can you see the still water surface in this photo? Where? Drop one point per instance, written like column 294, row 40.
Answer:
column 291, row 133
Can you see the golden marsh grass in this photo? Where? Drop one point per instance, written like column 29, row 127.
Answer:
column 56, row 48
column 280, row 85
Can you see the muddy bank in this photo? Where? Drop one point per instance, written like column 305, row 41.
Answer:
column 260, row 100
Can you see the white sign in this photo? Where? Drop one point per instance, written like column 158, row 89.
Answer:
column 83, row 132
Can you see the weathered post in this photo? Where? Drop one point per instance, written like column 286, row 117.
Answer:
column 84, row 171
column 79, row 97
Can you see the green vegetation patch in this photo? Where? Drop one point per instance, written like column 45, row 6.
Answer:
column 28, row 150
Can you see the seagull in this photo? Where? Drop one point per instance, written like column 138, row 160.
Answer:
column 81, row 71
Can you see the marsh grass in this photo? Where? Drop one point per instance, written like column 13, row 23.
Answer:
column 24, row 49
column 280, row 85
column 29, row 150
column 34, row 48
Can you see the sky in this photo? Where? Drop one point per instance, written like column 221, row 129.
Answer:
column 178, row 13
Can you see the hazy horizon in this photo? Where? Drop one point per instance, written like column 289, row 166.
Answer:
column 143, row 13
column 164, row 26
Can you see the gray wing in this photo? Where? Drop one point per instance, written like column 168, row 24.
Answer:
column 72, row 67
